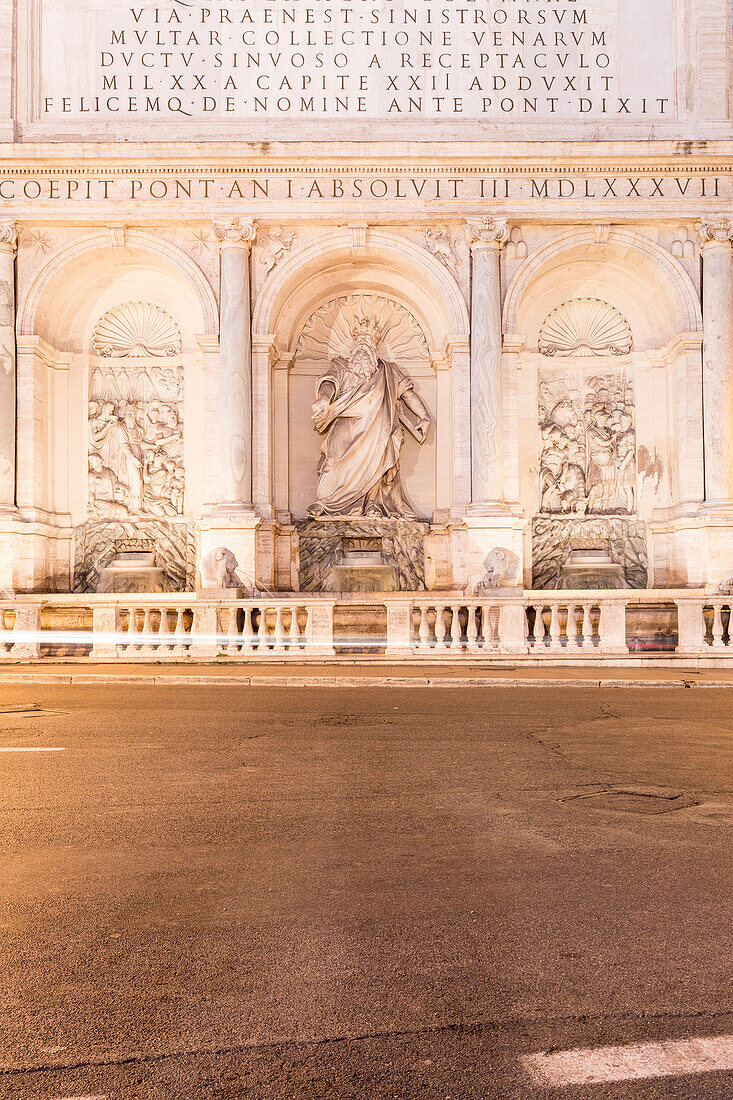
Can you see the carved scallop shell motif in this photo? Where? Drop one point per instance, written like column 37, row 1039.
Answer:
column 327, row 332
column 585, row 327
column 135, row 330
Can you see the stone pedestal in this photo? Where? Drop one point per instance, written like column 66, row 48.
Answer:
column 236, row 529
column 622, row 539
column 363, row 572
column 395, row 546
column 132, row 572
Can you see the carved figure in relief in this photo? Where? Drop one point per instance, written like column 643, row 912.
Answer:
column 588, row 462
column 362, row 406
column 107, row 496
column 137, row 443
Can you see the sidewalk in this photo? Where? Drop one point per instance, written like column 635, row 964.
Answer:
column 348, row 674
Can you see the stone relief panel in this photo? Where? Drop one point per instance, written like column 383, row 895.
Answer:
column 588, row 458
column 585, row 327
column 136, row 330
column 136, row 441
column 328, row 332
column 321, row 546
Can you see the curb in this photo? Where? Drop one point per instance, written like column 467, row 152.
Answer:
column 348, row 681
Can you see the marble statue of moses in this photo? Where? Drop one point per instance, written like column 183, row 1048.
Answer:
column 362, row 405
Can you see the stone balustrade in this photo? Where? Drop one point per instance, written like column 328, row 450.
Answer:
column 533, row 627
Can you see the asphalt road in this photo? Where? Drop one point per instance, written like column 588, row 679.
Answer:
column 219, row 892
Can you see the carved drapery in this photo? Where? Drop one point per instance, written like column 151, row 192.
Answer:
column 588, row 458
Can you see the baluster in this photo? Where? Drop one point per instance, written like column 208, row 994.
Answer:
column 538, row 627
column 233, row 638
column 179, row 633
column 455, row 628
column 247, row 631
column 6, row 642
column 294, row 632
column 148, row 644
column 718, row 642
column 424, row 629
column 472, row 629
column 164, row 631
column 441, row 627
column 279, row 635
column 263, row 635
column 571, row 630
column 490, row 636
column 587, row 628
column 132, row 630
column 555, row 633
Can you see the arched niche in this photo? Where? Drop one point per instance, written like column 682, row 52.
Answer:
column 62, row 368
column 647, row 366
column 82, row 282
column 390, row 269
column 630, row 272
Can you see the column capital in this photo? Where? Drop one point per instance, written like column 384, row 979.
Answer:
column 490, row 233
column 8, row 237
column 236, row 233
column 714, row 231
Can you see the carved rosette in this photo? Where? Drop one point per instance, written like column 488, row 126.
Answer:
column 488, row 233
column 236, row 233
column 717, row 231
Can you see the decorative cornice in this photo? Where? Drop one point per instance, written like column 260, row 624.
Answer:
column 488, row 233
column 8, row 237
column 719, row 231
column 236, row 233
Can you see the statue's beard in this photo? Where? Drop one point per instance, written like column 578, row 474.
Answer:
column 363, row 361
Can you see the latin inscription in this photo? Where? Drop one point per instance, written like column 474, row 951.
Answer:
column 487, row 60
column 405, row 188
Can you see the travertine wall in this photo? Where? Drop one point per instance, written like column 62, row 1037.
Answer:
column 536, row 200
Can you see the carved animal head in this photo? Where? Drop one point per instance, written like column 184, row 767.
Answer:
column 219, row 569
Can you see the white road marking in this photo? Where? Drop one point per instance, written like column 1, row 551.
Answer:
column 671, row 1058
column 32, row 749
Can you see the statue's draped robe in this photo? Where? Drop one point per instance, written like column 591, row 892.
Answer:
column 359, row 468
